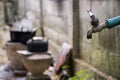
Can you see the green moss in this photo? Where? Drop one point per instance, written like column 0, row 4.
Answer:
column 82, row 75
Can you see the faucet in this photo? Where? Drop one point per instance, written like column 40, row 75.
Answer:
column 96, row 27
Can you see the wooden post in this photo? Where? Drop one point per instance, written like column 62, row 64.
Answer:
column 41, row 18
column 5, row 12
column 76, row 30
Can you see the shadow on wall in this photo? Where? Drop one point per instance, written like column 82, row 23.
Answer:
column 60, row 6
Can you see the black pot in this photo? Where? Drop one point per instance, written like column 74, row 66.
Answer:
column 21, row 36
column 37, row 45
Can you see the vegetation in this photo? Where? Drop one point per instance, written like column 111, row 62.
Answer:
column 82, row 75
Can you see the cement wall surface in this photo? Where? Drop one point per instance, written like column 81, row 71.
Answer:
column 57, row 16
column 102, row 51
column 1, row 12
column 32, row 6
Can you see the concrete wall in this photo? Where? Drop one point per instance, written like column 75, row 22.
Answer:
column 1, row 12
column 102, row 51
column 57, row 19
column 57, row 15
column 30, row 6
column 26, row 5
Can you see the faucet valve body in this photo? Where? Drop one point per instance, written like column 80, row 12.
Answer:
column 94, row 20
column 96, row 27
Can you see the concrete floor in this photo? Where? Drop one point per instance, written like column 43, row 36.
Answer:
column 6, row 73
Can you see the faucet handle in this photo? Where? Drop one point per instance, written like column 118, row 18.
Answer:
column 94, row 20
column 91, row 14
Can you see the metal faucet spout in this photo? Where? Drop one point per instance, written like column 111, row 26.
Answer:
column 96, row 29
column 89, row 34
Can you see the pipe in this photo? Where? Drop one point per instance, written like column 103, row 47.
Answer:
column 113, row 22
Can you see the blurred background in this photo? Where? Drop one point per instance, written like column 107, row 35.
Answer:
column 68, row 21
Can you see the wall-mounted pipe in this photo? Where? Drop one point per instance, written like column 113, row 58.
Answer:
column 113, row 22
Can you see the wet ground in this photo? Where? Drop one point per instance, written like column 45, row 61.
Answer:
column 6, row 73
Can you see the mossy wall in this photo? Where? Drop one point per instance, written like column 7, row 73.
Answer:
column 102, row 51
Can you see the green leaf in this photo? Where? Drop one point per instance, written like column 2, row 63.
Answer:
column 81, row 73
column 83, row 79
column 87, row 76
column 74, row 78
